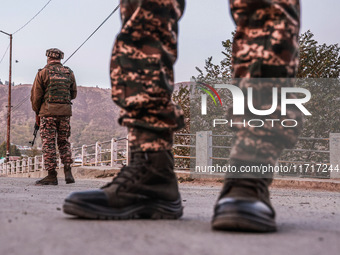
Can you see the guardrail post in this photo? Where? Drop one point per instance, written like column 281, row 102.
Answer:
column 113, row 152
column 97, row 153
column 17, row 166
column 23, row 166
column 12, row 167
column 36, row 166
column 83, row 155
column 29, row 163
column 204, row 148
column 39, row 163
column 334, row 148
column 42, row 163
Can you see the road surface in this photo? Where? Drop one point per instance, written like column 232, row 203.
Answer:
column 32, row 222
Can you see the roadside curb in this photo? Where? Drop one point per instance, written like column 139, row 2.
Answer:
column 186, row 176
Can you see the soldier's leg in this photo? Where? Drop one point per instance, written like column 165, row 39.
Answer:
column 265, row 46
column 142, row 72
column 142, row 82
column 48, row 137
column 64, row 146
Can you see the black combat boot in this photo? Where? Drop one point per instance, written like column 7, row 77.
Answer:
column 68, row 174
column 147, row 189
column 244, row 204
column 50, row 179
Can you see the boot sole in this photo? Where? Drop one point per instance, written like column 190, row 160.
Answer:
column 45, row 184
column 147, row 210
column 244, row 223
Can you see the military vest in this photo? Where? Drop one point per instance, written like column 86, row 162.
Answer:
column 59, row 88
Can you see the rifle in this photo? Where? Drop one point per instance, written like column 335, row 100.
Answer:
column 36, row 128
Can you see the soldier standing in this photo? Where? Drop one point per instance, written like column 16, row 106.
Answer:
column 265, row 45
column 53, row 89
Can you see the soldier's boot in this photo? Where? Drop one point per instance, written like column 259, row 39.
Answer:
column 50, row 179
column 244, row 205
column 147, row 188
column 68, row 174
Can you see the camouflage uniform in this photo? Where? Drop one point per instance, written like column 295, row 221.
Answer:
column 53, row 89
column 142, row 82
column 142, row 72
column 52, row 129
column 265, row 45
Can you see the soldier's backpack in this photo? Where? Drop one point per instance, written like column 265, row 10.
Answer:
column 59, row 88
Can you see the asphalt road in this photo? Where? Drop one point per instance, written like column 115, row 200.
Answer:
column 32, row 222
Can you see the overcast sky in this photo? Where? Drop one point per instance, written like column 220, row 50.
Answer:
column 65, row 24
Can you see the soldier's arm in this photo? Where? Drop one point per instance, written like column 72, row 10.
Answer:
column 73, row 87
column 37, row 92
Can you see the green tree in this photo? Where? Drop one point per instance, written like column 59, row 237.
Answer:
column 13, row 150
column 34, row 152
column 320, row 64
column 217, row 73
column 316, row 61
column 182, row 97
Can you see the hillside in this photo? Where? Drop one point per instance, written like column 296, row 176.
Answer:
column 94, row 116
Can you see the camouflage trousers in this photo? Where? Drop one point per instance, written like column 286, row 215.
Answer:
column 265, row 50
column 265, row 45
column 142, row 72
column 52, row 130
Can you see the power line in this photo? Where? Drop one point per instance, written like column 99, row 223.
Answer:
column 32, row 18
column 27, row 97
column 4, row 54
column 20, row 103
column 93, row 33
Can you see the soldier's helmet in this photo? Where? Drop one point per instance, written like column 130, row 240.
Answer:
column 55, row 53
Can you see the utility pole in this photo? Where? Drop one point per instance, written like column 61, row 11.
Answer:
column 9, row 97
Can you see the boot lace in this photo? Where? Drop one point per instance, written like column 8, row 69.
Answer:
column 127, row 174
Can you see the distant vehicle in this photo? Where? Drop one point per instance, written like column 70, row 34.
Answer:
column 78, row 160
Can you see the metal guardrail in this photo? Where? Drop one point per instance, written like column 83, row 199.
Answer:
column 282, row 161
column 114, row 153
column 309, row 154
column 25, row 165
column 115, row 156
